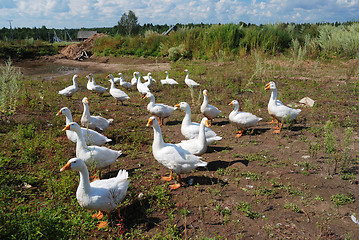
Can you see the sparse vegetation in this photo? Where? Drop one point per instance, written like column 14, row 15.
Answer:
column 253, row 185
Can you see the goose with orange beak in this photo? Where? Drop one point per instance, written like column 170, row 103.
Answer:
column 93, row 122
column 208, row 110
column 70, row 90
column 173, row 157
column 190, row 130
column 197, row 146
column 278, row 110
column 100, row 195
column 116, row 93
column 168, row 80
column 94, row 156
column 91, row 137
column 243, row 120
column 190, row 83
column 160, row 110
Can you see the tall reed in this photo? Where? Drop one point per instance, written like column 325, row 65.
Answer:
column 10, row 82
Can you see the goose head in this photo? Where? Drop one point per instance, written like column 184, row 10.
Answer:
column 182, row 105
column 205, row 122
column 152, row 121
column 205, row 92
column 64, row 111
column 149, row 95
column 234, row 103
column 120, row 74
column 110, row 76
column 72, row 126
column 85, row 100
column 271, row 86
column 73, row 164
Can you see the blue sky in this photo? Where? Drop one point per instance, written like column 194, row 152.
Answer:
column 106, row 13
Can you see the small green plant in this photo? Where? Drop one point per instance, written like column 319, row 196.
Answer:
column 329, row 145
column 292, row 206
column 341, row 199
column 318, row 198
column 245, row 207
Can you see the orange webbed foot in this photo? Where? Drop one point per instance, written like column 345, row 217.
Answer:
column 102, row 224
column 167, row 178
column 277, row 131
column 239, row 133
column 175, row 186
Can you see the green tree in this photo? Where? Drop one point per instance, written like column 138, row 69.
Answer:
column 128, row 24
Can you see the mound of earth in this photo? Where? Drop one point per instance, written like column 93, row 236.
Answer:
column 81, row 50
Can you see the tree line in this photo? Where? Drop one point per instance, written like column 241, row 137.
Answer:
column 127, row 26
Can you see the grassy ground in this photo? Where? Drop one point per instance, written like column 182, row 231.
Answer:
column 299, row 184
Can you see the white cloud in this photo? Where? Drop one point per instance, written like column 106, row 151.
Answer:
column 106, row 13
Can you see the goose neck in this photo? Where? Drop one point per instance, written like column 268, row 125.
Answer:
column 84, row 184
column 80, row 143
column 201, row 134
column 273, row 95
column 157, row 138
column 68, row 117
column 86, row 113
column 187, row 116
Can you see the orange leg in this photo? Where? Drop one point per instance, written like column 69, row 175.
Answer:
column 160, row 121
column 177, row 185
column 271, row 121
column 168, row 178
column 210, row 121
column 239, row 133
column 277, row 127
column 280, row 128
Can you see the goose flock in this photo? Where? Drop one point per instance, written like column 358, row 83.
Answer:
column 104, row 195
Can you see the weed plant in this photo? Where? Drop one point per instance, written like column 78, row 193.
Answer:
column 10, row 84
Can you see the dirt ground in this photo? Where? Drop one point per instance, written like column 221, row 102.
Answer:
column 259, row 186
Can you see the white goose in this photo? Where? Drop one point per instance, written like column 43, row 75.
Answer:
column 149, row 79
column 196, row 146
column 118, row 94
column 94, row 156
column 91, row 137
column 141, row 88
column 100, row 195
column 134, row 79
column 208, row 110
column 95, row 87
column 190, row 130
column 70, row 90
column 160, row 110
column 190, row 83
column 278, row 110
column 171, row 156
column 122, row 81
column 243, row 120
column 168, row 80
column 93, row 122
column 89, row 84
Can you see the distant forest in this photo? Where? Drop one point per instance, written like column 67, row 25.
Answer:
column 51, row 34
column 193, row 41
